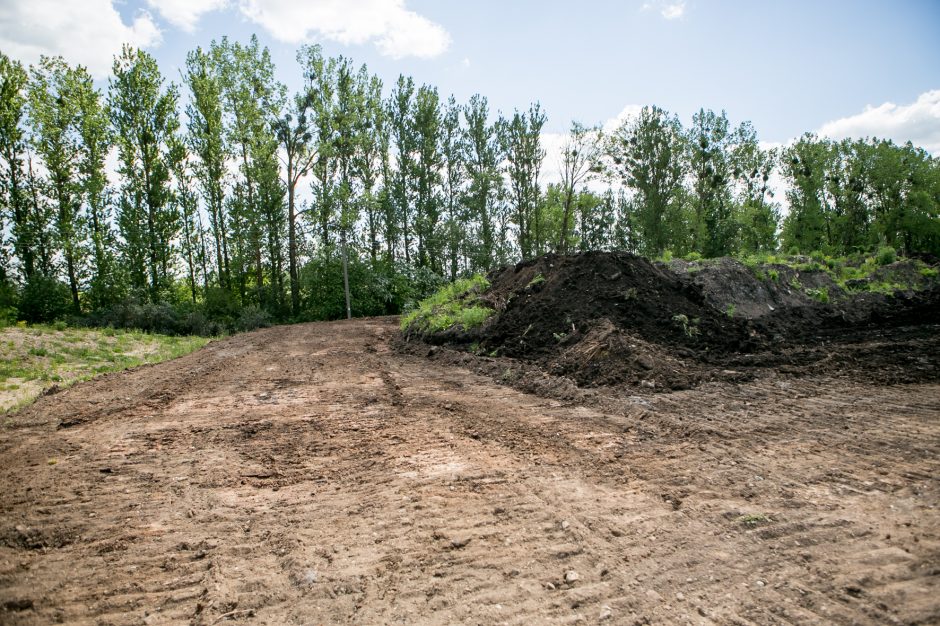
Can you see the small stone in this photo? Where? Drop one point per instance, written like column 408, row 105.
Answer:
column 565, row 525
column 550, row 586
column 571, row 577
column 605, row 613
column 680, row 596
column 761, row 583
column 652, row 594
column 459, row 542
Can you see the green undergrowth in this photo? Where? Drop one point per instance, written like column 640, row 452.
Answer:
column 34, row 358
column 455, row 305
column 853, row 274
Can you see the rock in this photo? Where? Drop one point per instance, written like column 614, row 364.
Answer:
column 605, row 613
column 652, row 594
column 645, row 361
column 571, row 577
column 565, row 525
column 459, row 542
column 550, row 586
column 761, row 583
column 680, row 596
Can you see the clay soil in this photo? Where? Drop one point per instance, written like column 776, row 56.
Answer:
column 313, row 474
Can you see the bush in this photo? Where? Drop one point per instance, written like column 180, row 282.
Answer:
column 44, row 299
column 253, row 317
column 886, row 256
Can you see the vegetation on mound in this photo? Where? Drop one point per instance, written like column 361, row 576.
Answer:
column 881, row 272
column 34, row 358
column 456, row 305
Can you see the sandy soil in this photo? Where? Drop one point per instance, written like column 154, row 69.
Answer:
column 311, row 475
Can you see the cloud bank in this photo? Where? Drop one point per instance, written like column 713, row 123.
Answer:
column 88, row 33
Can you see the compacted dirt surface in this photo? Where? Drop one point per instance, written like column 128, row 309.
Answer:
column 313, row 474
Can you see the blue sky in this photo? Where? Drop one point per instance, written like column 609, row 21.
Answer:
column 859, row 68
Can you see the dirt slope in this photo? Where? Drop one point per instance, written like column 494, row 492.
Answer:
column 308, row 474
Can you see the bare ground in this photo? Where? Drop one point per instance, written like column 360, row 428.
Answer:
column 309, row 474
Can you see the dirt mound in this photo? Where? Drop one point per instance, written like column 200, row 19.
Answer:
column 554, row 301
column 615, row 319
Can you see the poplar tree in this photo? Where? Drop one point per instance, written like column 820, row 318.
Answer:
column 54, row 114
column 647, row 154
column 144, row 115
column 14, row 180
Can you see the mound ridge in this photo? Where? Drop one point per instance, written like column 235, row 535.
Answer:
column 617, row 319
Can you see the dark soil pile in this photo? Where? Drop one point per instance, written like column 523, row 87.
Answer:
column 615, row 319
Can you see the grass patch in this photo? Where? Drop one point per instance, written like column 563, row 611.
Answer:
column 455, row 305
column 33, row 358
column 754, row 519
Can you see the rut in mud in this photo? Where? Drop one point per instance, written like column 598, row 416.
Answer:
column 310, row 474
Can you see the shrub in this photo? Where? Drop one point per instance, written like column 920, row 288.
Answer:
column 253, row 317
column 886, row 256
column 44, row 299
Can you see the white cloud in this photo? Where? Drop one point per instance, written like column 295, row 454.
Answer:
column 918, row 123
column 185, row 14
column 393, row 29
column 673, row 11
column 88, row 33
column 669, row 10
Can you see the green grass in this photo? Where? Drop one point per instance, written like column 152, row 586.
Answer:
column 35, row 357
column 454, row 305
column 754, row 519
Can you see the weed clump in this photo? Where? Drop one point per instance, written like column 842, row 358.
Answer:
column 455, row 305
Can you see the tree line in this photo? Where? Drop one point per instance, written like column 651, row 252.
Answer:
column 246, row 202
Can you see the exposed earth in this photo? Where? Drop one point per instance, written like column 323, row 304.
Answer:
column 325, row 473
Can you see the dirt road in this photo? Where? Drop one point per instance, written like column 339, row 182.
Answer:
column 311, row 475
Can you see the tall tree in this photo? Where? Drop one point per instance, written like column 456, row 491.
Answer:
column 206, row 140
column 54, row 95
column 646, row 152
column 372, row 134
column 521, row 144
column 144, row 115
column 294, row 131
column 580, row 157
column 708, row 146
column 184, row 195
column 253, row 100
column 427, row 178
column 94, row 129
column 401, row 125
column 758, row 215
column 453, row 177
column 14, row 192
column 804, row 165
column 481, row 159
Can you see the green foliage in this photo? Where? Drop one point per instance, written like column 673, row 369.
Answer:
column 44, row 299
column 754, row 519
column 689, row 327
column 819, row 295
column 456, row 305
column 886, row 255
column 538, row 279
column 730, row 310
